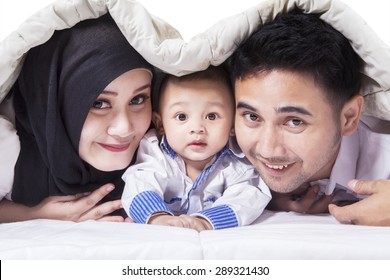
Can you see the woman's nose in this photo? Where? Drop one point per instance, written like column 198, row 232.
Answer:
column 120, row 126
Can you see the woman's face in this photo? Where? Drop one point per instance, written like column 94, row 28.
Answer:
column 117, row 121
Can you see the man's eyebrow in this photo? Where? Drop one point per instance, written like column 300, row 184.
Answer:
column 243, row 105
column 293, row 109
column 280, row 110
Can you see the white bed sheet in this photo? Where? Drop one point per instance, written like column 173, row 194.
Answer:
column 288, row 236
column 274, row 236
column 49, row 239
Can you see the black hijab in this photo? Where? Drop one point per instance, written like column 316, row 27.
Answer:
column 58, row 84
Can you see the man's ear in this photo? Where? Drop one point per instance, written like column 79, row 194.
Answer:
column 350, row 114
column 156, row 118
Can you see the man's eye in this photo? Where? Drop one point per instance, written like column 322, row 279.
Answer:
column 251, row 117
column 181, row 117
column 212, row 116
column 101, row 104
column 294, row 122
column 139, row 99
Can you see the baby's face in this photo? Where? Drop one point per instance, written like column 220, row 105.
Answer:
column 197, row 117
column 117, row 121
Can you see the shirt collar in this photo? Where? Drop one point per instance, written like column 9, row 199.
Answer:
column 165, row 147
column 231, row 147
column 234, row 148
column 344, row 168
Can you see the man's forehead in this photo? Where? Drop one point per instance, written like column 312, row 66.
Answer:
column 284, row 91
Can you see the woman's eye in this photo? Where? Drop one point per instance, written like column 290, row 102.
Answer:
column 181, row 117
column 139, row 99
column 101, row 104
column 251, row 117
column 294, row 122
column 211, row 116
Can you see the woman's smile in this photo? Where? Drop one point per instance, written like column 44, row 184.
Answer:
column 115, row 147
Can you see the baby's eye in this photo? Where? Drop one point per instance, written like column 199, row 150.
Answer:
column 181, row 117
column 139, row 99
column 212, row 116
column 101, row 104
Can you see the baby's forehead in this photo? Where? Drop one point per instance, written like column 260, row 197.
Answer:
column 194, row 93
column 193, row 85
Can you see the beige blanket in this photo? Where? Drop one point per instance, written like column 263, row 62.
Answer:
column 163, row 46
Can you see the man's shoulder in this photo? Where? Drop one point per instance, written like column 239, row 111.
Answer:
column 374, row 125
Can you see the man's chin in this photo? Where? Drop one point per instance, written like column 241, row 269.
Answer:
column 281, row 186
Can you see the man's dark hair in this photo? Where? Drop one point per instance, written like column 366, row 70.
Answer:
column 305, row 44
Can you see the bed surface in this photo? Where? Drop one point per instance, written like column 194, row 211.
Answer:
column 274, row 236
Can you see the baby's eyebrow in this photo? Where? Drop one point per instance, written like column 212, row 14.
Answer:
column 179, row 103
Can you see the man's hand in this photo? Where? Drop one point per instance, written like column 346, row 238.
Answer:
column 301, row 201
column 372, row 211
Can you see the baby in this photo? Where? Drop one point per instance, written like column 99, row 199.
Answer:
column 189, row 171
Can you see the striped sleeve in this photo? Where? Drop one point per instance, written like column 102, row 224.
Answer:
column 145, row 204
column 221, row 216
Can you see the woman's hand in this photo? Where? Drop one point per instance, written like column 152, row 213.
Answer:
column 80, row 207
column 77, row 208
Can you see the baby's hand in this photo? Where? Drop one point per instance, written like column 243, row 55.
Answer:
column 183, row 221
column 196, row 223
column 164, row 219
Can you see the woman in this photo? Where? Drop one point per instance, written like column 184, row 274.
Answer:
column 82, row 104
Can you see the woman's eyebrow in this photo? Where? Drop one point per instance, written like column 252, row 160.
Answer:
column 144, row 87
column 111, row 92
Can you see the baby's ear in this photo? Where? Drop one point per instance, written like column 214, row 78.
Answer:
column 156, row 118
column 232, row 132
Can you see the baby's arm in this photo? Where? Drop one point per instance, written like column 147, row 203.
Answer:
column 242, row 202
column 146, row 182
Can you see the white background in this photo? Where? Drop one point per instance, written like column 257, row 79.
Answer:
column 193, row 16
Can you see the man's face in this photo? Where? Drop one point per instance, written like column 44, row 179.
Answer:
column 286, row 128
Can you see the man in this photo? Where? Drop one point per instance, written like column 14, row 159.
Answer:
column 298, row 120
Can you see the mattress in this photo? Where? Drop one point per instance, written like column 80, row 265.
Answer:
column 274, row 236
